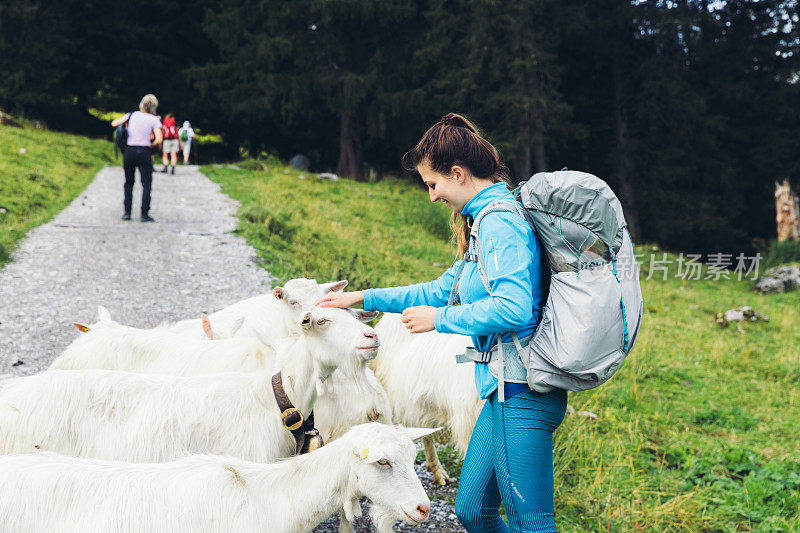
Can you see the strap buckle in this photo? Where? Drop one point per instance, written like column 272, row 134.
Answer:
column 471, row 354
column 292, row 419
column 485, row 357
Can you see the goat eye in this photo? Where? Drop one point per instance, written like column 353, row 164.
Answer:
column 384, row 462
column 321, row 321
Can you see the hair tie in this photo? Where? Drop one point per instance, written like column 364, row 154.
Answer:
column 449, row 120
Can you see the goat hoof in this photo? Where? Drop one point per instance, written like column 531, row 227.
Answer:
column 441, row 478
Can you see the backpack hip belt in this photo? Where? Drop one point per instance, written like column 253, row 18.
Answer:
column 506, row 361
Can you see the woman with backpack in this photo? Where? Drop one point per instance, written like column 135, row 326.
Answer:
column 141, row 125
column 510, row 454
column 172, row 143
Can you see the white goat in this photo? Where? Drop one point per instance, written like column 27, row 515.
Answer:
column 273, row 316
column 206, row 493
column 346, row 400
column 108, row 344
column 135, row 417
column 426, row 385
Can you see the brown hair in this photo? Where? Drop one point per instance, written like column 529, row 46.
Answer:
column 454, row 140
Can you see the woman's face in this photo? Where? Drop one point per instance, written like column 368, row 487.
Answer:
column 449, row 189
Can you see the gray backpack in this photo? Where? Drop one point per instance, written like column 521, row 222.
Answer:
column 594, row 307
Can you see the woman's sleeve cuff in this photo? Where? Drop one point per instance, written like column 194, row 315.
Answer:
column 369, row 300
column 438, row 320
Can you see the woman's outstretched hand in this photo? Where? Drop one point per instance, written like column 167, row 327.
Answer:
column 341, row 299
column 419, row 319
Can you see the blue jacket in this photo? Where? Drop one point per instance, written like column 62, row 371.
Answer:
column 514, row 266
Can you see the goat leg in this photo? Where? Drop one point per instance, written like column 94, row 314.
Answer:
column 439, row 473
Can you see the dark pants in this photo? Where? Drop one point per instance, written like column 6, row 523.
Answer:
column 138, row 157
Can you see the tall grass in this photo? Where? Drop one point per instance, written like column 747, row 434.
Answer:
column 782, row 252
column 699, row 430
column 41, row 172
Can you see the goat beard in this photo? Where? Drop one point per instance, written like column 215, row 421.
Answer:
column 382, row 519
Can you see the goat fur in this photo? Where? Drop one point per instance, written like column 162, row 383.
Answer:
column 425, row 385
column 206, row 493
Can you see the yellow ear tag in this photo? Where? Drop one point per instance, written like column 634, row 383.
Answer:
column 364, row 453
column 81, row 327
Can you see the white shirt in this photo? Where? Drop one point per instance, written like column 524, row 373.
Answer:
column 189, row 132
column 140, row 126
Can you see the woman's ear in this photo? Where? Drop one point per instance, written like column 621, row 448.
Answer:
column 458, row 173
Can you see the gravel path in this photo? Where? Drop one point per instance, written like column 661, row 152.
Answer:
column 186, row 263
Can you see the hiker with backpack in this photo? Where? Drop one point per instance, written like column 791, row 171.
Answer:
column 186, row 136
column 172, row 143
column 133, row 135
column 510, row 455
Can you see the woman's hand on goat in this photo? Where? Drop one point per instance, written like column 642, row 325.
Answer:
column 419, row 319
column 341, row 299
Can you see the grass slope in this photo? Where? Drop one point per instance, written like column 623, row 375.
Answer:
column 38, row 183
column 699, row 430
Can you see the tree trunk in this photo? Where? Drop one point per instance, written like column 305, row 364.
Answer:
column 522, row 165
column 787, row 208
column 621, row 164
column 351, row 158
column 539, row 158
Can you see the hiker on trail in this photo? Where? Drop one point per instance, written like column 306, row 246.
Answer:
column 141, row 124
column 172, row 143
column 186, row 136
column 510, row 454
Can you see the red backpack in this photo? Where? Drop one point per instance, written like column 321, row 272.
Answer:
column 169, row 129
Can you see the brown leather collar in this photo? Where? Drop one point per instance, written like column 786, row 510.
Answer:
column 306, row 436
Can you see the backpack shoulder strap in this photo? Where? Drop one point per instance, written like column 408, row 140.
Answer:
column 494, row 207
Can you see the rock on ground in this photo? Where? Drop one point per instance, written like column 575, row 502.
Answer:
column 779, row 279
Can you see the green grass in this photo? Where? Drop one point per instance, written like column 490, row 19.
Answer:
column 699, row 430
column 374, row 235
column 37, row 184
column 199, row 137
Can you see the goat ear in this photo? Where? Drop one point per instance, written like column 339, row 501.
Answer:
column 364, row 316
column 418, row 433
column 207, row 326
column 305, row 322
column 263, row 339
column 102, row 313
column 336, row 286
column 369, row 454
column 237, row 325
column 278, row 293
column 83, row 328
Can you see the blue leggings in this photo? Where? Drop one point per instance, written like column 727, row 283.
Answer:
column 510, row 457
